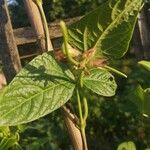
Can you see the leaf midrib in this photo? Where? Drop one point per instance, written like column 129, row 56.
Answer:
column 29, row 99
column 109, row 26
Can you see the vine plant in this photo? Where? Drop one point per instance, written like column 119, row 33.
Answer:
column 141, row 99
column 45, row 84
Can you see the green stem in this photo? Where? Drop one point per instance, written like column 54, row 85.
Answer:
column 85, row 109
column 49, row 46
column 82, row 119
column 115, row 71
column 65, row 35
column 84, row 99
column 84, row 122
column 19, row 147
column 79, row 106
column 84, row 138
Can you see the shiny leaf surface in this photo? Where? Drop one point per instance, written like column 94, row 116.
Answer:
column 40, row 88
column 100, row 81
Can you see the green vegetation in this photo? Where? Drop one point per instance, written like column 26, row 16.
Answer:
column 111, row 120
column 54, row 9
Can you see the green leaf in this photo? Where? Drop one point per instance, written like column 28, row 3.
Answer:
column 146, row 103
column 7, row 143
column 127, row 146
column 40, row 88
column 4, row 131
column 145, row 64
column 100, row 81
column 107, row 30
column 141, row 98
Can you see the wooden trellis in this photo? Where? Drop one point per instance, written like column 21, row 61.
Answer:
column 26, row 36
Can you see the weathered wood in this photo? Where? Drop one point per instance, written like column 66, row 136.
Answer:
column 30, row 55
column 144, row 33
column 73, row 130
column 27, row 35
column 8, row 50
column 147, row 13
column 137, row 44
column 36, row 23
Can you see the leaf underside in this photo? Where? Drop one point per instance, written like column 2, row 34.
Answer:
column 107, row 30
column 40, row 88
column 100, row 81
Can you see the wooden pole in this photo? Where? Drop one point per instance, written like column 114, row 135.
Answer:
column 69, row 117
column 36, row 23
column 137, row 44
column 144, row 32
column 73, row 130
column 8, row 48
